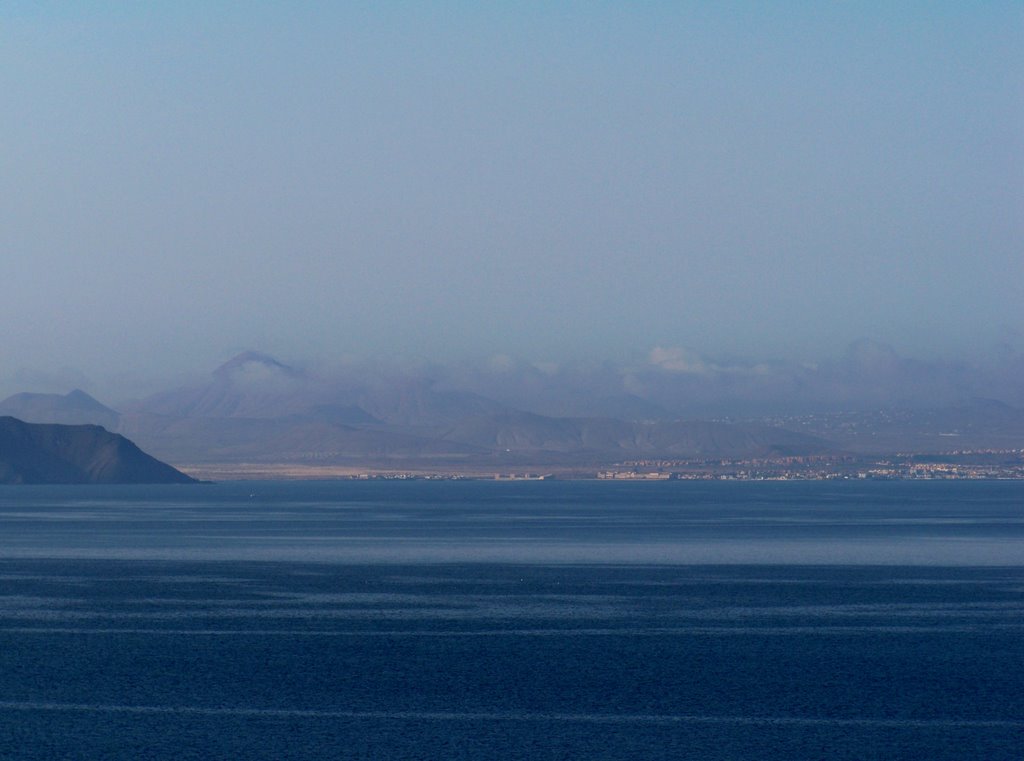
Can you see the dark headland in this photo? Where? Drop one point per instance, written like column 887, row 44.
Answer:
column 76, row 454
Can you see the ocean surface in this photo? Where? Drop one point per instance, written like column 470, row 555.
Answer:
column 535, row 620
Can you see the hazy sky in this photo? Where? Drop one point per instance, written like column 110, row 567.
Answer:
column 185, row 180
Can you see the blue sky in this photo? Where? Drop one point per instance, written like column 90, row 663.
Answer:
column 555, row 181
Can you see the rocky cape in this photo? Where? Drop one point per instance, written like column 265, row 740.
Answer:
column 76, row 454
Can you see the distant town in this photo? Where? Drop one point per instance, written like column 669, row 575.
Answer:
column 988, row 464
column 966, row 465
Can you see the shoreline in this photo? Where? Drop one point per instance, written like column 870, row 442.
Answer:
column 613, row 473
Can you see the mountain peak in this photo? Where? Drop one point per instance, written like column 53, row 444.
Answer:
column 254, row 360
column 81, row 398
column 74, row 408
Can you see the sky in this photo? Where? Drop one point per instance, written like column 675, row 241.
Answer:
column 182, row 181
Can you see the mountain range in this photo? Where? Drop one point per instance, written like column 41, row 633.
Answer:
column 256, row 409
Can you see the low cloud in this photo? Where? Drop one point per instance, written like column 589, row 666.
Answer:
column 679, row 360
column 665, row 383
column 680, row 382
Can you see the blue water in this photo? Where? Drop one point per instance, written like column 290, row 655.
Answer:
column 467, row 620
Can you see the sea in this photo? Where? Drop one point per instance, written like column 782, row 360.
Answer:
column 513, row 620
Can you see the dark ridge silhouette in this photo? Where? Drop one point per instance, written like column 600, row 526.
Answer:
column 75, row 454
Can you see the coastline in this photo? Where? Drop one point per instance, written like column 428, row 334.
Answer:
column 887, row 469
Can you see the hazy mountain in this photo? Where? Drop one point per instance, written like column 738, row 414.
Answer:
column 579, row 389
column 974, row 424
column 74, row 408
column 257, row 409
column 603, row 437
column 284, row 440
column 418, row 403
column 70, row 454
column 671, row 383
column 254, row 385
column 251, row 385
